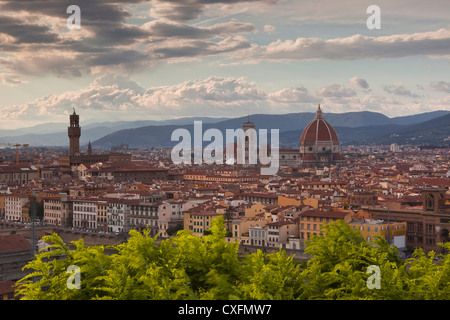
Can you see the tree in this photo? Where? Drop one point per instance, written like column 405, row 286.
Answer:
column 208, row 267
column 339, row 264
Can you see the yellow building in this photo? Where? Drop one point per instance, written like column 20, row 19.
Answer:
column 255, row 209
column 311, row 221
column 370, row 229
column 197, row 222
column 288, row 201
column 312, row 202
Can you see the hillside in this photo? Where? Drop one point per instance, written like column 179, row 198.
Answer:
column 428, row 132
column 352, row 127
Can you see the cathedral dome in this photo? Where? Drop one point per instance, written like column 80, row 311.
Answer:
column 318, row 130
column 319, row 143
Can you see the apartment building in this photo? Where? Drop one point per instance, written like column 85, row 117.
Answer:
column 58, row 211
column 119, row 215
column 102, row 215
column 143, row 216
column 370, row 229
column 258, row 236
column 14, row 205
column 197, row 221
column 279, row 232
column 311, row 221
column 85, row 214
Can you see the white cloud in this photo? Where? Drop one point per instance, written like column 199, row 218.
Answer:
column 269, row 28
column 335, row 91
column 400, row 90
column 443, row 86
column 292, row 96
column 433, row 43
column 113, row 97
column 359, row 83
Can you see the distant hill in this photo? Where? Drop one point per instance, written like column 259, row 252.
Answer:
column 434, row 131
column 352, row 127
column 291, row 126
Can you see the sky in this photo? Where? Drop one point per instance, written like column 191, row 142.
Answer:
column 164, row 59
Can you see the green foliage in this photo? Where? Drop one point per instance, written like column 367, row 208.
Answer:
column 193, row 267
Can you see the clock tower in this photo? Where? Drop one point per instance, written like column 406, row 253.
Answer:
column 74, row 132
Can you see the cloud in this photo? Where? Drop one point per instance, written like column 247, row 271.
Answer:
column 36, row 42
column 443, row 86
column 433, row 43
column 165, row 29
column 292, row 96
column 116, row 97
column 400, row 90
column 269, row 29
column 335, row 91
column 24, row 33
column 359, row 83
column 176, row 10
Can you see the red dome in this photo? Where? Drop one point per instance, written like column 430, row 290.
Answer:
column 318, row 130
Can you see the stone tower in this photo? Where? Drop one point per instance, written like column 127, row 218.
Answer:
column 74, row 132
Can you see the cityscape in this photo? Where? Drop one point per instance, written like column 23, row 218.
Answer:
column 213, row 126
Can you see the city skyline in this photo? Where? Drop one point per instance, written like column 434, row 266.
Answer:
column 135, row 60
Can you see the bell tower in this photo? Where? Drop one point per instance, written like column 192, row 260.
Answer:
column 74, row 132
column 434, row 199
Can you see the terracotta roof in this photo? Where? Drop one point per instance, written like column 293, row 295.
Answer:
column 14, row 243
column 7, row 287
column 324, row 214
column 318, row 130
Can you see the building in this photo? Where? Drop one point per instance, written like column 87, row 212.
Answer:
column 102, row 215
column 370, row 229
column 14, row 205
column 319, row 144
column 311, row 221
column 7, row 289
column 289, row 157
column 20, row 173
column 85, row 214
column 250, row 144
column 171, row 215
column 279, row 233
column 197, row 220
column 76, row 158
column 58, row 211
column 127, row 172
column 364, row 197
column 264, row 198
column 15, row 252
column 144, row 215
column 426, row 226
column 74, row 132
column 258, row 236
column 119, row 215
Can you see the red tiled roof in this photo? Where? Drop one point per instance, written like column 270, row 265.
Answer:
column 318, row 130
column 7, row 287
column 14, row 243
column 324, row 214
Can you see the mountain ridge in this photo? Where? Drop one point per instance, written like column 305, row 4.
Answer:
column 99, row 132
